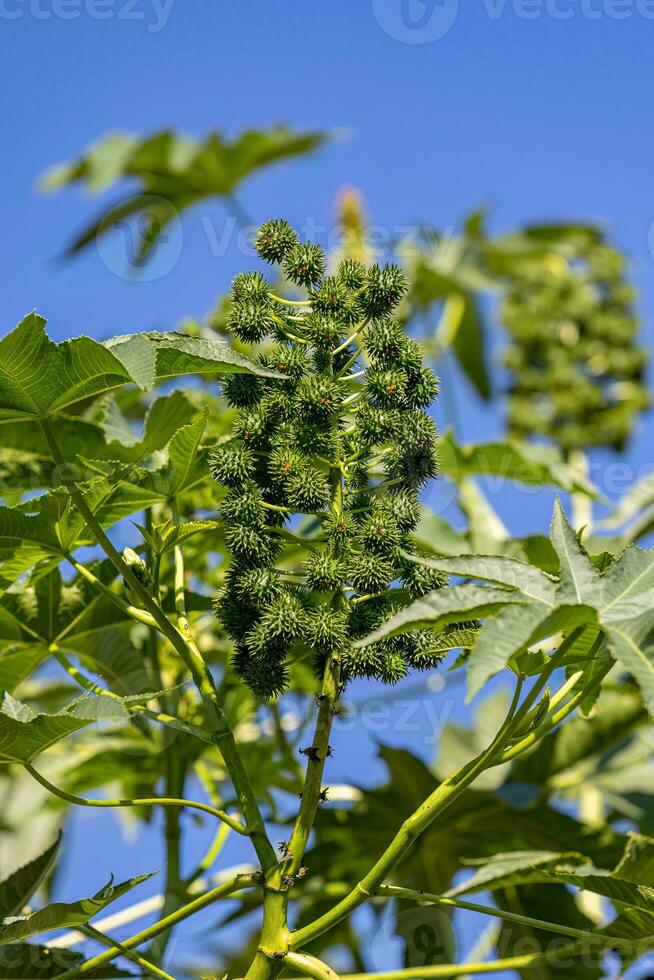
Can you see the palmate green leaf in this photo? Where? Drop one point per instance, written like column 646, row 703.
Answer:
column 174, row 172
column 617, row 597
column 470, row 347
column 509, row 635
column 515, row 868
column 632, row 642
column 18, row 888
column 25, row 540
column 24, row 735
column 27, row 961
column 627, row 586
column 547, row 903
column 163, row 538
column 65, row 915
column 437, row 609
column 39, row 378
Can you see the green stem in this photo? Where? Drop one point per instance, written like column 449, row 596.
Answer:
column 554, row 719
column 289, row 302
column 350, row 339
column 221, row 891
column 448, row 970
column 150, row 801
column 128, row 953
column 392, row 891
column 191, row 657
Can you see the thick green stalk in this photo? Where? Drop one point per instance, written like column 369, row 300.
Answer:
column 190, row 655
column 275, row 932
column 221, row 891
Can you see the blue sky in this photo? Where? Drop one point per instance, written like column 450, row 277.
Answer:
column 539, row 109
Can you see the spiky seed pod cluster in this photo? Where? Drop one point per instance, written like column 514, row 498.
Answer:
column 577, row 371
column 344, row 435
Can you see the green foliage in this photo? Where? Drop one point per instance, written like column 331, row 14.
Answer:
column 18, row 888
column 173, row 173
column 64, row 914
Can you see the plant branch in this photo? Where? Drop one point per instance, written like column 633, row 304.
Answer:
column 448, row 970
column 424, row 898
column 221, row 891
column 150, row 801
column 128, row 953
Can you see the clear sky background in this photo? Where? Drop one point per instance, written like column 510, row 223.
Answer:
column 538, row 110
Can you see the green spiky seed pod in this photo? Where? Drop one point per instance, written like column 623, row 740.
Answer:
column 243, row 506
column 275, row 239
column 370, row 573
column 404, row 507
column 305, row 264
column 418, row 579
column 379, row 533
column 251, row 322
column 231, row 464
column 242, row 390
column 385, row 287
column 421, row 388
column 385, row 341
column 324, row 571
column 307, row 490
column 335, row 448
column 331, row 297
column 250, row 286
column 352, row 273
